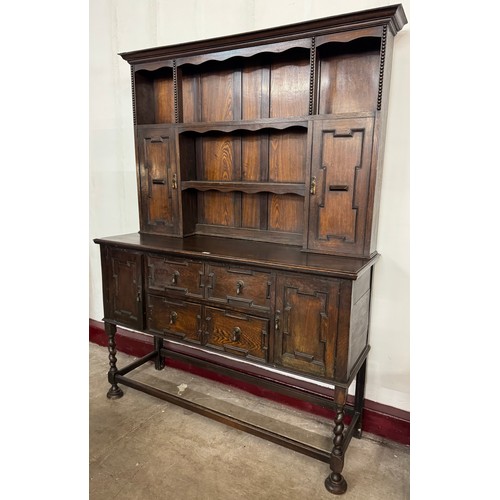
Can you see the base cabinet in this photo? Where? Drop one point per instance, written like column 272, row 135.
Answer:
column 297, row 321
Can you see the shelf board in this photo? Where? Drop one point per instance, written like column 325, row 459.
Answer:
column 249, row 125
column 246, row 187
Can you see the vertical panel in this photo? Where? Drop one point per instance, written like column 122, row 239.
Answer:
column 216, row 94
column 220, row 161
column 287, row 156
column 348, row 79
column 287, row 162
column 289, row 94
column 164, row 100
column 190, row 101
column 251, row 170
column 255, row 92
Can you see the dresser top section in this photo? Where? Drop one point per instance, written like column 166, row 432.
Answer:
column 392, row 16
column 276, row 256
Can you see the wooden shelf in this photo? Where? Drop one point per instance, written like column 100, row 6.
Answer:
column 246, row 187
column 248, row 125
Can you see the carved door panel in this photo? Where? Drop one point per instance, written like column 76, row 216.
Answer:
column 340, row 182
column 159, row 184
column 125, row 288
column 306, row 324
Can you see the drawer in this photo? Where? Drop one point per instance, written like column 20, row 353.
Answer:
column 238, row 334
column 177, row 276
column 239, row 286
column 174, row 318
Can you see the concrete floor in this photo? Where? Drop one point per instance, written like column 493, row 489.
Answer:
column 146, row 449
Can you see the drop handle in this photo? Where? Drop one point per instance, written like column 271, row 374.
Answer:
column 236, row 334
column 174, row 181
column 312, row 190
column 277, row 322
column 173, row 317
column 175, row 276
column 239, row 287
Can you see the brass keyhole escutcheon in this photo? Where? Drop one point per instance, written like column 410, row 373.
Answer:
column 236, row 334
column 175, row 277
column 239, row 287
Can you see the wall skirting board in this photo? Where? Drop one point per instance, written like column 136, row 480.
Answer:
column 381, row 420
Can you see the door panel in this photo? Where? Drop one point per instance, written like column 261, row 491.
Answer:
column 159, row 183
column 340, row 181
column 125, row 288
column 305, row 324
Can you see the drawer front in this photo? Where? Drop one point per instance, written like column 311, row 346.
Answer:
column 238, row 334
column 175, row 276
column 240, row 287
column 174, row 318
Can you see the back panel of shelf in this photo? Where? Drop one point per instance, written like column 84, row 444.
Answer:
column 266, row 156
column 262, row 86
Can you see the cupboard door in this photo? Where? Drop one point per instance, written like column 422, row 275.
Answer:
column 306, row 324
column 125, row 288
column 159, row 183
column 339, row 193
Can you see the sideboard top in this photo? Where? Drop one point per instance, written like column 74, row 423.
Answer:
column 392, row 15
column 287, row 258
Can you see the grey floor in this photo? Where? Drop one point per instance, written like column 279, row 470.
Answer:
column 144, row 448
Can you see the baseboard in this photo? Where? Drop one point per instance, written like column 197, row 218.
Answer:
column 382, row 420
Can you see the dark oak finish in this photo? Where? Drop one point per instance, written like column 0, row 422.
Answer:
column 306, row 304
column 259, row 168
column 124, row 291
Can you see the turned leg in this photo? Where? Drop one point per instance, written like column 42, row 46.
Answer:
column 359, row 399
column 159, row 361
column 114, row 392
column 335, row 482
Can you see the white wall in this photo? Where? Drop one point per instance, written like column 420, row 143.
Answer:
column 124, row 25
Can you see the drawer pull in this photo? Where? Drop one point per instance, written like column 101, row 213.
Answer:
column 173, row 317
column 175, row 276
column 239, row 287
column 236, row 334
